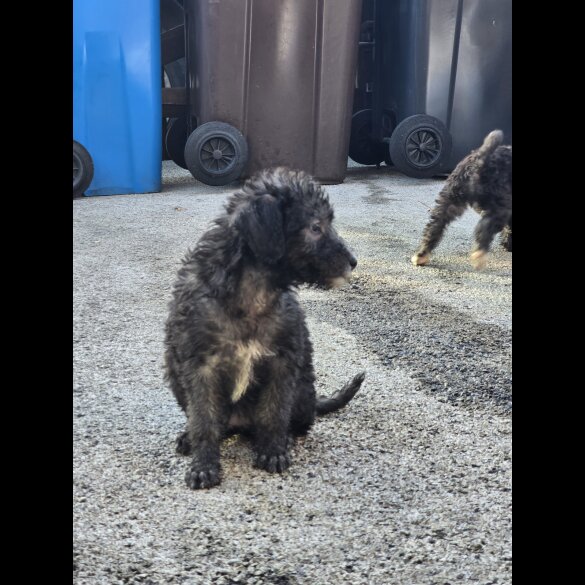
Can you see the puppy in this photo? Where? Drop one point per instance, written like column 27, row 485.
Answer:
column 483, row 180
column 238, row 353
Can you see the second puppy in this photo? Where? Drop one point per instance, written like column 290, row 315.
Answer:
column 482, row 180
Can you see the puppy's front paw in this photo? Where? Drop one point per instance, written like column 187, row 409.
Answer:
column 479, row 259
column 202, row 477
column 273, row 463
column 420, row 259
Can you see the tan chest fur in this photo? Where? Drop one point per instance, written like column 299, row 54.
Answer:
column 245, row 356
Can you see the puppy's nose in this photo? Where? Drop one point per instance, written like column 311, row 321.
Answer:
column 352, row 261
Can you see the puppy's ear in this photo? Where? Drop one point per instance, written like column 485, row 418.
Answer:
column 261, row 226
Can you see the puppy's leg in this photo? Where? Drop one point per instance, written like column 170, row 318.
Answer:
column 207, row 422
column 172, row 376
column 445, row 211
column 303, row 412
column 304, row 407
column 488, row 226
column 272, row 420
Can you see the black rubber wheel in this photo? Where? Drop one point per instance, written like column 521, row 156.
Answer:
column 82, row 169
column 175, row 140
column 420, row 146
column 362, row 149
column 216, row 153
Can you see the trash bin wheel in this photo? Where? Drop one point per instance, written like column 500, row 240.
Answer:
column 175, row 140
column 216, row 153
column 420, row 146
column 82, row 169
column 362, row 148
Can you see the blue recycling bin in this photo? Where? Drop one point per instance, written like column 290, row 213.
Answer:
column 117, row 111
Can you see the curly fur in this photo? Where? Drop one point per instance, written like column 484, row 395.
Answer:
column 238, row 353
column 482, row 180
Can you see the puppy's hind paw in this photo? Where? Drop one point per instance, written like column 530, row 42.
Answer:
column 183, row 445
column 272, row 463
column 201, row 478
column 420, row 259
column 479, row 259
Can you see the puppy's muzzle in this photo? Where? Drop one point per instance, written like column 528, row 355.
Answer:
column 341, row 280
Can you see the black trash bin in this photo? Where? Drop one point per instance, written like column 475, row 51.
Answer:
column 270, row 82
column 442, row 81
column 172, row 22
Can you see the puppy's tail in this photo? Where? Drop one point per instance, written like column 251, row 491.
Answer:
column 490, row 143
column 327, row 404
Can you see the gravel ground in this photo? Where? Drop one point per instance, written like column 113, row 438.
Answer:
column 409, row 485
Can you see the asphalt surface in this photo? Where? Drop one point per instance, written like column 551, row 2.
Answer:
column 410, row 484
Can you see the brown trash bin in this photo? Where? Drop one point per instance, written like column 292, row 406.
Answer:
column 270, row 83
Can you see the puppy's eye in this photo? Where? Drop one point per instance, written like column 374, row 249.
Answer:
column 316, row 228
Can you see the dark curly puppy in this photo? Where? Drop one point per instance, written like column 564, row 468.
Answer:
column 238, row 354
column 483, row 180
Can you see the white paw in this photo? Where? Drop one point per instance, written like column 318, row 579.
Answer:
column 478, row 259
column 420, row 260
